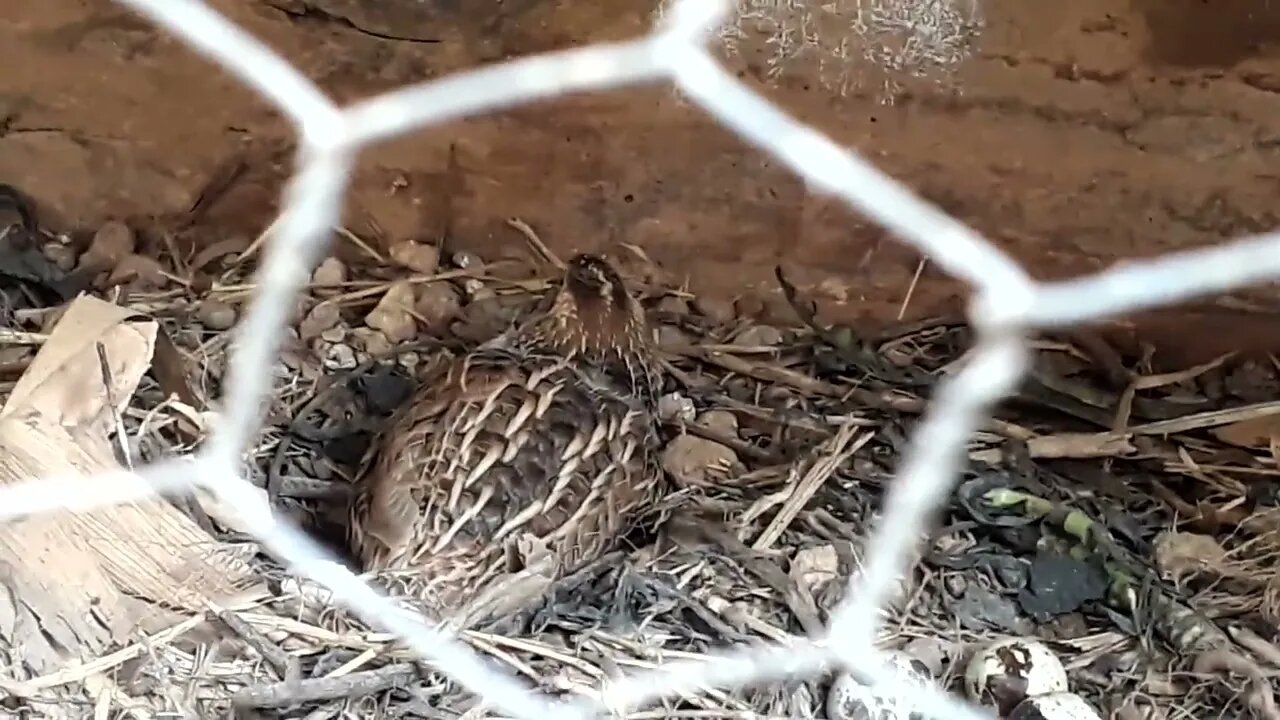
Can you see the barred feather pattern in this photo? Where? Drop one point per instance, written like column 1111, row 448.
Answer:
column 548, row 431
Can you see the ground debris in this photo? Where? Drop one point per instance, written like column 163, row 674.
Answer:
column 1116, row 508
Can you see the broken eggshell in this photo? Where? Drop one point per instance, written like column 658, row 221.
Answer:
column 849, row 699
column 1055, row 706
column 1003, row 673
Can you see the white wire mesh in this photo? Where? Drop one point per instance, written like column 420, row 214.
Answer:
column 1007, row 304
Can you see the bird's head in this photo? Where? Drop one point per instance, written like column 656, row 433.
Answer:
column 594, row 317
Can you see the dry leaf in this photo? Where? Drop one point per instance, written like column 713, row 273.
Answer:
column 80, row 581
column 65, row 380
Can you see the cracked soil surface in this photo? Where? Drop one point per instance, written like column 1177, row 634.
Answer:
column 1075, row 135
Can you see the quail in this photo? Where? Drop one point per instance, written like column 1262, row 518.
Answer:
column 545, row 437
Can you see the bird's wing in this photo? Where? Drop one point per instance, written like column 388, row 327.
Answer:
column 408, row 461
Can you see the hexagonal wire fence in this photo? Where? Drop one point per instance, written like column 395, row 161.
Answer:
column 1007, row 304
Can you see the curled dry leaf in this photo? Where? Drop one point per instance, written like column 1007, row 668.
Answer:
column 418, row 257
column 693, row 461
column 321, row 318
column 65, row 382
column 330, row 271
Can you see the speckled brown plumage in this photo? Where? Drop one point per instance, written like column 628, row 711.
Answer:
column 547, row 430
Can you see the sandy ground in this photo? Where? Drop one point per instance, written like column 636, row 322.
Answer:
column 1074, row 134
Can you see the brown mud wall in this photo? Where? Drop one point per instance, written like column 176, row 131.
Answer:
column 1074, row 134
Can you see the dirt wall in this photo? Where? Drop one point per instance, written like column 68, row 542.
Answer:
column 1073, row 134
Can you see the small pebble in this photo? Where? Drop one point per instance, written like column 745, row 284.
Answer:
column 748, row 306
column 340, row 356
column 674, row 407
column 418, row 257
column 437, row 304
column 321, row 318
column 834, row 288
column 330, row 271
column 476, row 288
column 62, row 256
column 138, row 270
column 483, row 319
column 334, row 334
column 718, row 311
column 759, row 336
column 693, row 461
column 409, row 360
column 391, row 315
column 371, row 341
column 721, row 421
column 466, row 260
column 216, row 315
column 674, row 305
column 112, row 243
column 672, row 336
